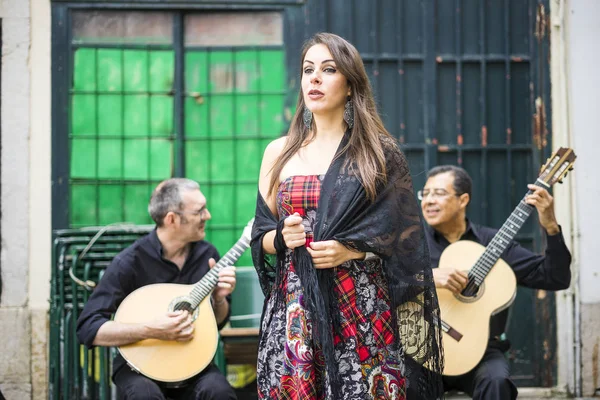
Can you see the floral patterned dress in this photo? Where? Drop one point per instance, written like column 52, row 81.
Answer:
column 290, row 366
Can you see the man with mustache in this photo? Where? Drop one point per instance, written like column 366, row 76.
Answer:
column 174, row 252
column 444, row 201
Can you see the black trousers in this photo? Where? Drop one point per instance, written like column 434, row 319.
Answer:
column 210, row 384
column 489, row 380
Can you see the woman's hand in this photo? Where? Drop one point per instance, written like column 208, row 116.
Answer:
column 293, row 231
column 331, row 253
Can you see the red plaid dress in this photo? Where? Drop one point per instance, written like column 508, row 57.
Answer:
column 290, row 367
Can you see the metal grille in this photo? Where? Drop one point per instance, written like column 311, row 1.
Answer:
column 80, row 258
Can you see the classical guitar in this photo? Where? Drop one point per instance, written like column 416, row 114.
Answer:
column 171, row 361
column 492, row 283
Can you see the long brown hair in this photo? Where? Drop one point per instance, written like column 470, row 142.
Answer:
column 364, row 147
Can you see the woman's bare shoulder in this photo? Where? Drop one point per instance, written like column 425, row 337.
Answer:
column 274, row 148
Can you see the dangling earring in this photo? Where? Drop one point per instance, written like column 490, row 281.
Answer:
column 307, row 118
column 349, row 113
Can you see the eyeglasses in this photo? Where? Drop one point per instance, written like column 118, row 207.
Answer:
column 435, row 193
column 200, row 212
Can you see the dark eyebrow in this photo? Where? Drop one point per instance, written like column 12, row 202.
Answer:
column 323, row 62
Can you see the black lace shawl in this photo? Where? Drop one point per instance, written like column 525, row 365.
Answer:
column 390, row 227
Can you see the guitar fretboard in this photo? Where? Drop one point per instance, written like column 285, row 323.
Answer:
column 502, row 239
column 210, row 280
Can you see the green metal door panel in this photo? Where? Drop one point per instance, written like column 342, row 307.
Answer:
column 221, row 71
column 222, row 198
column 245, row 203
column 271, row 115
column 122, row 99
column 248, row 154
column 83, row 158
column 108, row 195
column 161, row 110
column 196, row 71
column 221, row 115
column 110, row 70
column 136, row 162
column 222, row 161
column 246, row 111
column 197, row 162
column 135, row 67
column 110, row 159
column 196, row 117
column 137, row 111
column 83, row 208
column 83, row 115
column 135, row 203
column 223, row 239
column 247, row 71
column 84, row 70
column 161, row 159
column 161, row 72
column 110, row 115
column 272, row 74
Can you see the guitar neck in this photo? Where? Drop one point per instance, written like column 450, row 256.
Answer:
column 210, row 280
column 502, row 239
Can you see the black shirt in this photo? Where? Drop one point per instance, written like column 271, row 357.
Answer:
column 139, row 265
column 549, row 271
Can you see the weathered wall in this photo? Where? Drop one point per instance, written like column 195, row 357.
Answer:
column 15, row 328
column 584, row 83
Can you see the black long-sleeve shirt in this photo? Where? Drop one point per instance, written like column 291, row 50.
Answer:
column 549, row 271
column 139, row 265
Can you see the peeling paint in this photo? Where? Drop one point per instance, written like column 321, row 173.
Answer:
column 541, row 294
column 459, row 140
column 443, row 148
column 401, row 71
column 434, row 141
column 438, row 59
column 540, row 131
column 484, row 135
column 508, row 135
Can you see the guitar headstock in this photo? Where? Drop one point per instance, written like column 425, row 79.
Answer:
column 247, row 234
column 557, row 166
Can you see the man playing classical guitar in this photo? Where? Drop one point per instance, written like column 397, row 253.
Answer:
column 174, row 252
column 444, row 201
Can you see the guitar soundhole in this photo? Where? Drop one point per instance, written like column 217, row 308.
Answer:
column 471, row 293
column 184, row 306
column 183, row 303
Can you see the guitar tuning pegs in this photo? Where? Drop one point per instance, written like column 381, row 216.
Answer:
column 571, row 168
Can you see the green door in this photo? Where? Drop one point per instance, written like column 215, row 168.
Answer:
column 174, row 98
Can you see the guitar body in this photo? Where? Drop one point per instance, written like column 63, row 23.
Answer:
column 470, row 316
column 168, row 360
